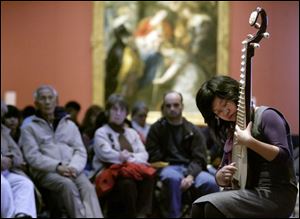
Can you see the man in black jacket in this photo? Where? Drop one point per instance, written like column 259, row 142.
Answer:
column 180, row 144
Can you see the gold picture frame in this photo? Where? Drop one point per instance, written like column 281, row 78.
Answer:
column 99, row 54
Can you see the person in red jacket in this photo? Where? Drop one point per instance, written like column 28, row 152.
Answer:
column 116, row 145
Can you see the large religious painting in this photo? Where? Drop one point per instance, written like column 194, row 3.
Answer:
column 146, row 48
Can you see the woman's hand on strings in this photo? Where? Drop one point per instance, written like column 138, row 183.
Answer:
column 243, row 137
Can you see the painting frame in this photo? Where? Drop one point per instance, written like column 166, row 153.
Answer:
column 99, row 55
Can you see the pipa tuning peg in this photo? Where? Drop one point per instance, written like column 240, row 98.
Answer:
column 257, row 25
column 266, row 35
column 255, row 45
column 249, row 36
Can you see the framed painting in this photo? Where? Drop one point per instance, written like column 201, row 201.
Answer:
column 142, row 49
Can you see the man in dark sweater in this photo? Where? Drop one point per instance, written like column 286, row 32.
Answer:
column 180, row 144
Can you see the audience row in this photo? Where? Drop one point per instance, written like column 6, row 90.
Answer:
column 107, row 166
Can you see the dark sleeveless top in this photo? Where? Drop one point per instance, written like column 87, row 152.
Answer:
column 267, row 173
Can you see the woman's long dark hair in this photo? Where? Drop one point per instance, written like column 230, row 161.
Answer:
column 223, row 87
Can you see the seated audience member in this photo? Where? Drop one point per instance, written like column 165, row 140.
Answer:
column 12, row 119
column 56, row 156
column 176, row 141
column 7, row 206
column 138, row 119
column 27, row 114
column 214, row 149
column 28, row 111
column 126, row 180
column 73, row 108
column 87, row 129
column 17, row 190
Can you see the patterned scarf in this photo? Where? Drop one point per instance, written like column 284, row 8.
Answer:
column 125, row 145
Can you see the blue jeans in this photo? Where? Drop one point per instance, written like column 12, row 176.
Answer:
column 171, row 177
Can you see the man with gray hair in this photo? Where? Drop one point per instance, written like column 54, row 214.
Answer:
column 56, row 155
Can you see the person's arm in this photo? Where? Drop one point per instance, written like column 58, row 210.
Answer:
column 6, row 163
column 79, row 157
column 139, row 154
column 198, row 154
column 16, row 154
column 187, row 182
column 273, row 128
column 32, row 152
column 103, row 146
column 168, row 75
column 224, row 175
column 154, row 143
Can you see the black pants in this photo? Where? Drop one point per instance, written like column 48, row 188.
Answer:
column 130, row 198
